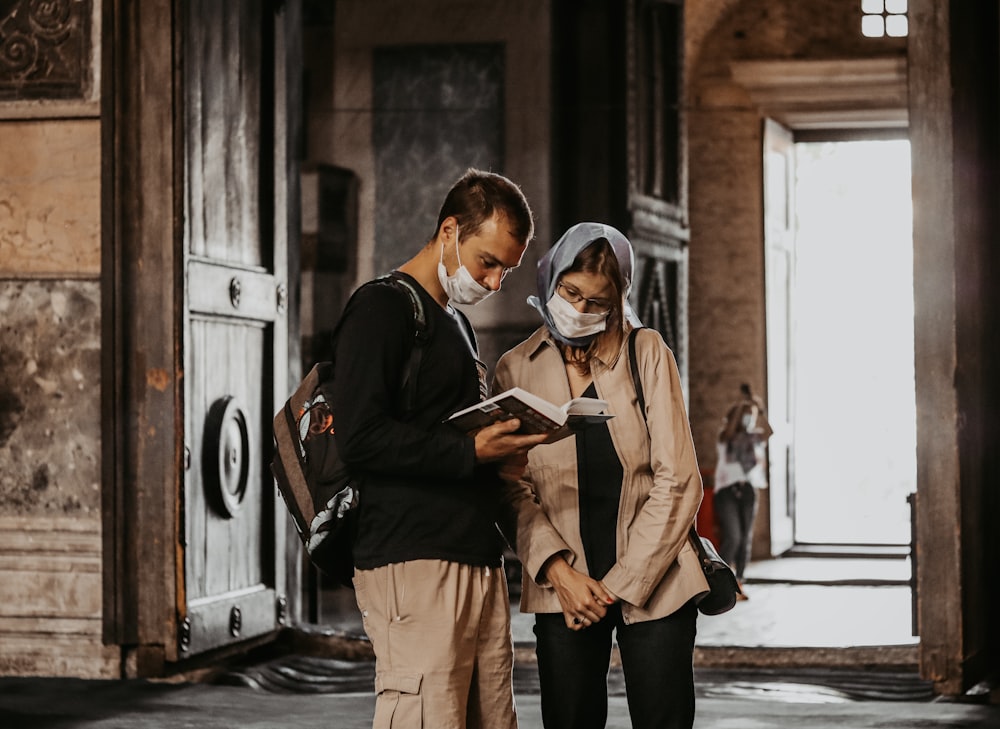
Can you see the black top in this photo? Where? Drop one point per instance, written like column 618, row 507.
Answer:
column 421, row 494
column 599, row 477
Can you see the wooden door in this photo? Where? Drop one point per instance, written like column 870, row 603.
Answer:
column 779, row 271
column 656, row 200
column 235, row 323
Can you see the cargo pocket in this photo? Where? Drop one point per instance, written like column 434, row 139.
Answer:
column 399, row 703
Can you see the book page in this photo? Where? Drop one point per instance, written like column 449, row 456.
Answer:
column 585, row 406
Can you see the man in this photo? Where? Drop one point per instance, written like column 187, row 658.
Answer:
column 429, row 580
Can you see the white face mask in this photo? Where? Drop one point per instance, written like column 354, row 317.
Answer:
column 571, row 323
column 461, row 287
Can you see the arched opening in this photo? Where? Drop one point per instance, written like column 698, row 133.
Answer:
column 811, row 83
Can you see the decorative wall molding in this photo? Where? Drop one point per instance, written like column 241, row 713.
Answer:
column 50, row 598
column 42, row 110
column 805, row 94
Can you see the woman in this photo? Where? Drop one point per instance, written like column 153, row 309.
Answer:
column 602, row 518
column 741, row 469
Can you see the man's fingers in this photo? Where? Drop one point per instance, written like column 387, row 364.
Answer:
column 504, row 426
column 524, row 443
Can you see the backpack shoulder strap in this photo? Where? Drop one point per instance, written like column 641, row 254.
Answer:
column 420, row 337
column 408, row 384
column 419, row 313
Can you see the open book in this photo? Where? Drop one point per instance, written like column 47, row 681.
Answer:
column 536, row 415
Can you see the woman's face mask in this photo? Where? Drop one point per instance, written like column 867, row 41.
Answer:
column 461, row 287
column 571, row 323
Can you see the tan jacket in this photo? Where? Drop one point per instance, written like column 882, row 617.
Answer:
column 657, row 569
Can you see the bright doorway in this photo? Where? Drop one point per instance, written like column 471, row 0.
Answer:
column 847, row 372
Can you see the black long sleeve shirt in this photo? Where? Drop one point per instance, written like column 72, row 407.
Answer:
column 422, row 496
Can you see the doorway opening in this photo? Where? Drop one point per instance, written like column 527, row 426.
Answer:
column 841, row 386
column 854, row 416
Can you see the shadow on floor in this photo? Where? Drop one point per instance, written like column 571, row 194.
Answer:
column 304, row 674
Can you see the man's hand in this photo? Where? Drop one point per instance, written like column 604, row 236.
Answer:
column 498, row 441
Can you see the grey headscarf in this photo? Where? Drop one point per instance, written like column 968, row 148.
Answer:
column 561, row 256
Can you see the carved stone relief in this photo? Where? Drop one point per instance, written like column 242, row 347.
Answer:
column 45, row 49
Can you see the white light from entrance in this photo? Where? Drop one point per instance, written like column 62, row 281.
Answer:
column 855, row 415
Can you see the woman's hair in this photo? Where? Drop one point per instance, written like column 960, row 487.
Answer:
column 597, row 258
column 477, row 195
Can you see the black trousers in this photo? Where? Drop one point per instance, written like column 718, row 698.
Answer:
column 736, row 509
column 656, row 658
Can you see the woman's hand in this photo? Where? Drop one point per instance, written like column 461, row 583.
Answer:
column 613, row 596
column 512, row 468
column 584, row 600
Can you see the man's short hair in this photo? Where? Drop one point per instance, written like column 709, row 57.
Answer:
column 477, row 195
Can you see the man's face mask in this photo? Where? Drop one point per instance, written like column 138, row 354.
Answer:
column 461, row 287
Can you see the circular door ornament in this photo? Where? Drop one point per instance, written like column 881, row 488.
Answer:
column 235, row 292
column 227, row 455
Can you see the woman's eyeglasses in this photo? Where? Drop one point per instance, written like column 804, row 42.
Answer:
column 596, row 306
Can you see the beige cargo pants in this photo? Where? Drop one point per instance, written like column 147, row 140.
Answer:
column 443, row 647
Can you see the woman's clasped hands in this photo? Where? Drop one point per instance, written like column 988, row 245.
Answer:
column 584, row 600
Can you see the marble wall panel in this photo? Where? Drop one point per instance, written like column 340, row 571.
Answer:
column 50, row 198
column 50, row 409
column 438, row 110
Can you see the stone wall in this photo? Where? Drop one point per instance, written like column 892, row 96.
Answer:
column 50, row 350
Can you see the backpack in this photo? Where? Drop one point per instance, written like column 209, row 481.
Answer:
column 317, row 487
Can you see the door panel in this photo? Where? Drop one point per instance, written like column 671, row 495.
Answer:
column 227, row 510
column 223, row 88
column 779, row 264
column 235, row 328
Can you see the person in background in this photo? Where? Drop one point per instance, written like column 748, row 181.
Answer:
column 429, row 579
column 603, row 517
column 740, row 470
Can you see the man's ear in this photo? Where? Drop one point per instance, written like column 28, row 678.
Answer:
column 448, row 228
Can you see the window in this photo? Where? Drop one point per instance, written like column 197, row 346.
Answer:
column 882, row 18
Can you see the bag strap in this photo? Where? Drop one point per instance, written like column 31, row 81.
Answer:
column 408, row 387
column 421, row 325
column 633, row 365
column 419, row 314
